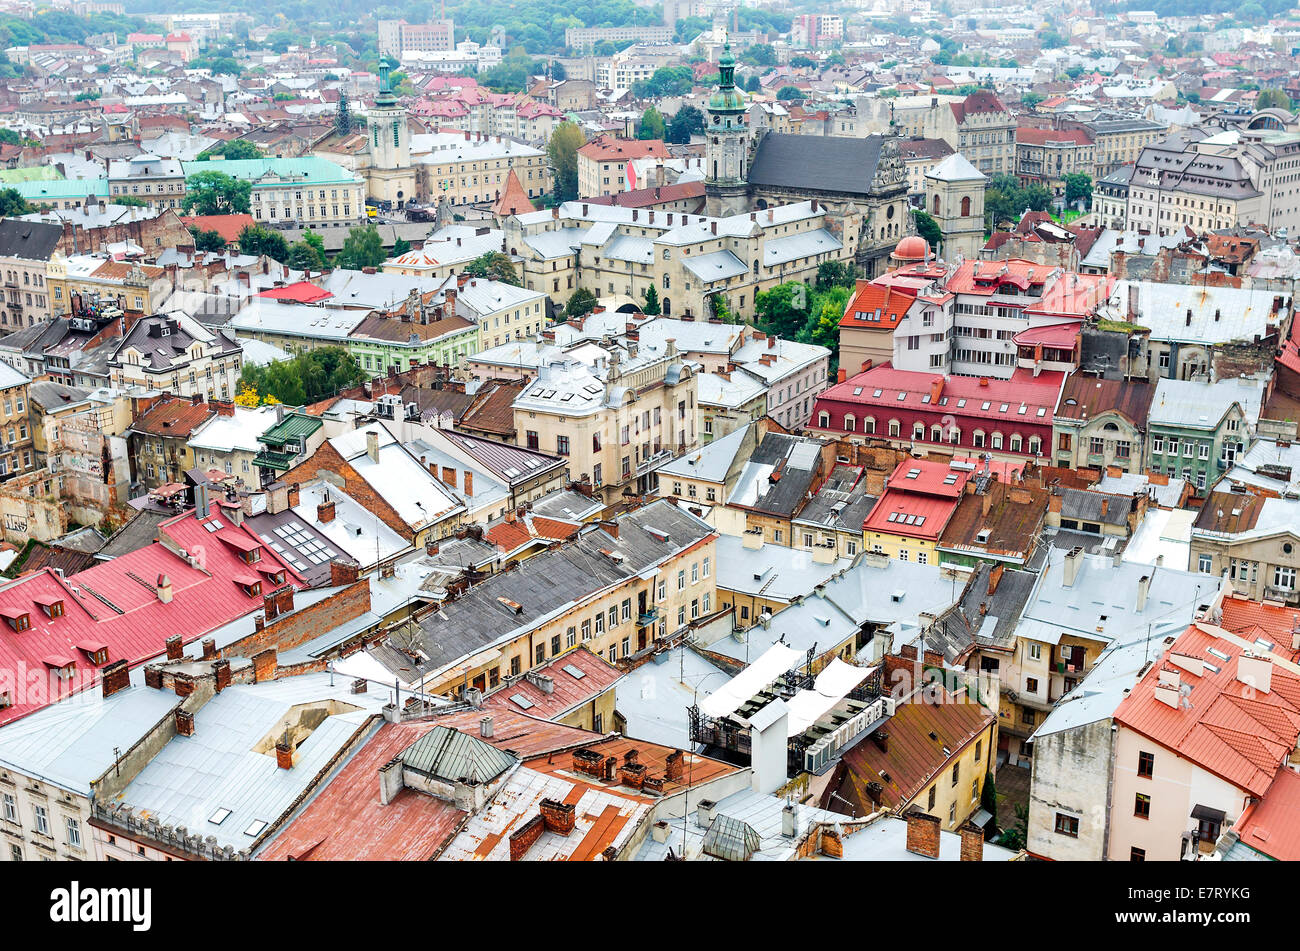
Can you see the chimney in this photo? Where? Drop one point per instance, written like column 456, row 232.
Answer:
column 164, row 589
column 264, row 665
column 221, row 672
column 1144, row 588
column 469, row 483
column 325, row 511
column 184, row 723
column 284, row 754
column 1073, row 559
column 1255, row 671
column 173, row 645
column 114, row 677
column 209, row 648
column 923, row 834
column 372, row 445
column 449, row 476
column 972, row 843
column 294, row 496
column 705, row 811
column 485, row 728
column 789, row 820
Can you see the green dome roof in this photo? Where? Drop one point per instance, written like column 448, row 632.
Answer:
column 727, row 98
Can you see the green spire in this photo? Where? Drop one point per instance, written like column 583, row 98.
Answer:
column 727, row 68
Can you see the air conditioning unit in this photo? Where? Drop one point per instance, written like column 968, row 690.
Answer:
column 890, row 706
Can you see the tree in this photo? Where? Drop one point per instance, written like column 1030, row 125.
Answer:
column 760, row 54
column 582, row 302
column 1014, row 838
column 308, row 377
column 12, row 203
column 130, row 201
column 666, row 81
column 362, row 248
column 234, row 149
column 400, row 247
column 835, row 274
column 787, row 93
column 308, row 254
column 752, row 84
column 1051, row 40
column 1273, row 99
column 688, row 122
column 1030, row 99
column 343, row 117
column 928, row 228
column 718, row 308
column 10, row 137
column 802, row 62
column 494, row 266
column 256, row 240
column 216, row 193
column 823, row 326
column 562, row 152
column 783, row 310
column 207, row 240
column 652, row 125
column 1078, row 186
column 651, row 308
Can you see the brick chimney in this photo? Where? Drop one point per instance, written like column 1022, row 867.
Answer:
column 264, row 666
column 114, row 677
column 325, row 512
column 184, row 723
column 173, row 645
column 923, row 834
column 344, row 571
column 972, row 843
column 295, row 495
column 469, row 483
column 284, row 753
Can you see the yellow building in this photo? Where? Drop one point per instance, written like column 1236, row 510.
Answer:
column 139, row 288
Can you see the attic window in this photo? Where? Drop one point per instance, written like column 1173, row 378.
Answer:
column 574, row 672
column 18, row 620
column 53, row 607
column 252, row 556
column 6, row 699
column 521, row 700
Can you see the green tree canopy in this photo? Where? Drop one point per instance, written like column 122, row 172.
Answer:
column 787, row 93
column 651, row 307
column 652, row 125
column 256, row 240
column 688, row 121
column 494, row 266
column 207, row 240
column 1078, row 185
column 216, row 193
column 582, row 302
column 835, row 274
column 234, row 149
column 12, row 203
column 308, row 377
column 308, row 254
column 562, row 151
column 1273, row 99
column 928, row 228
column 362, row 248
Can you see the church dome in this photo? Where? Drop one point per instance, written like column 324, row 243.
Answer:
column 727, row 98
column 911, row 248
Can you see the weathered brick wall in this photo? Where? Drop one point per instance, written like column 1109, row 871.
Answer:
column 293, row 630
column 326, row 458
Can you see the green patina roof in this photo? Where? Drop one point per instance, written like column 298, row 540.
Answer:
column 34, row 173
column 295, row 426
column 305, row 169
column 727, row 98
column 37, row 192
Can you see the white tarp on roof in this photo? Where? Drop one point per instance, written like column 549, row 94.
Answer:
column 831, row 686
column 741, row 688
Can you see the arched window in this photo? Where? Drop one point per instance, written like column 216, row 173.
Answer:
column 918, row 431
column 869, row 425
column 977, row 439
column 1035, row 445
column 824, row 419
column 954, row 435
column 850, row 423
column 965, row 207
column 894, row 427
column 996, row 441
column 1016, row 442
column 936, row 204
column 936, row 433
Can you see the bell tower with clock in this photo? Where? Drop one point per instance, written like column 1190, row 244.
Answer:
column 726, row 144
column 391, row 176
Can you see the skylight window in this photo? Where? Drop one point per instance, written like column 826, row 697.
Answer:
column 913, row 473
column 219, row 816
column 255, row 827
column 857, row 391
column 961, row 403
column 573, row 672
column 876, row 393
column 986, row 404
column 1003, row 408
column 521, row 700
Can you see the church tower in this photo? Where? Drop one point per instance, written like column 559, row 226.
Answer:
column 392, row 178
column 726, row 144
column 954, row 197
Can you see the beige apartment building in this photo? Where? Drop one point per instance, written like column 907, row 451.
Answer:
column 469, row 167
column 614, row 424
column 175, row 354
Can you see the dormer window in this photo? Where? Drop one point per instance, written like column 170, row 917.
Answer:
column 18, row 620
column 53, row 607
column 252, row 556
column 252, row 586
column 6, row 699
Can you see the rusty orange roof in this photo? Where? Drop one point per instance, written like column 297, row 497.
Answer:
column 514, row 200
column 1234, row 730
column 567, row 692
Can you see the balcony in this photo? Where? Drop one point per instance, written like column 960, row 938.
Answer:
column 271, row 459
column 654, row 461
column 647, row 617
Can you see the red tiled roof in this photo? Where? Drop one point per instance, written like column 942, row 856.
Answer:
column 1269, row 825
column 514, row 200
column 914, row 757
column 511, row 535
column 1256, row 619
column 919, row 499
column 115, row 603
column 568, row 691
column 648, row 197
column 608, row 149
column 1030, row 136
column 228, row 226
column 301, row 292
column 1234, row 730
column 173, row 416
column 891, row 303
